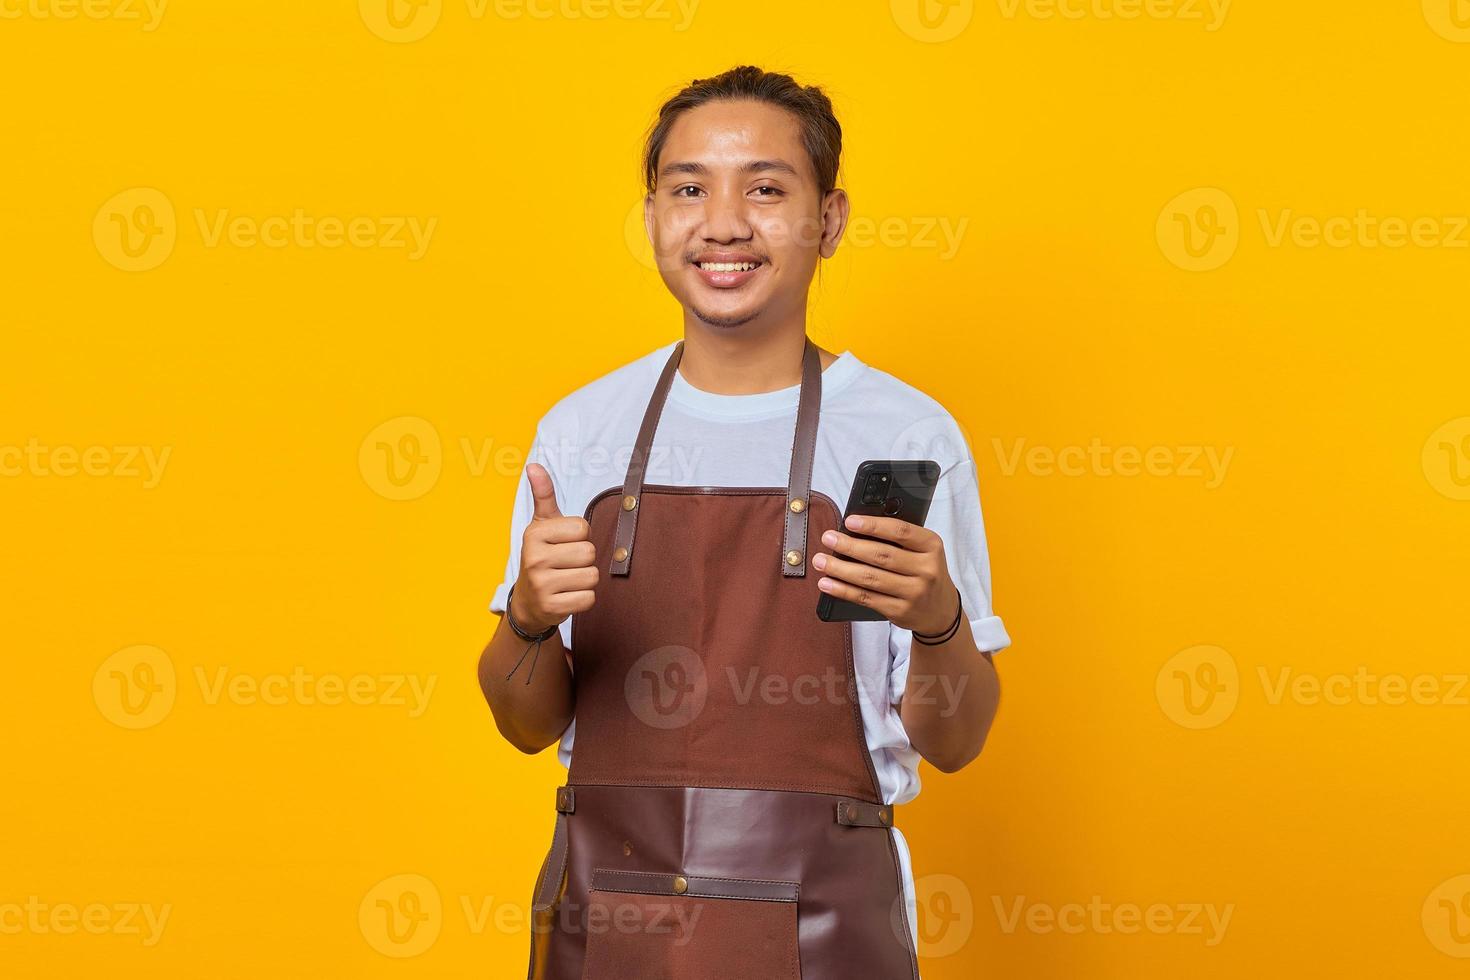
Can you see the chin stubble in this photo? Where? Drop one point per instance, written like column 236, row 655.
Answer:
column 721, row 321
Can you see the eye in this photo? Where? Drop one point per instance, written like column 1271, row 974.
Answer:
column 766, row 190
column 687, row 190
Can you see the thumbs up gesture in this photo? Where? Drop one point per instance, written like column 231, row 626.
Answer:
column 558, row 561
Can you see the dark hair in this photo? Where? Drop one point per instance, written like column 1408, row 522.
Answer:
column 820, row 131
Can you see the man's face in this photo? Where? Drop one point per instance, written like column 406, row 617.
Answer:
column 737, row 221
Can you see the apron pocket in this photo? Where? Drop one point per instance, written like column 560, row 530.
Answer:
column 672, row 927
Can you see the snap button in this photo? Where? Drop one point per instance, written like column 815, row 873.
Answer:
column 883, row 816
column 793, row 557
column 629, row 502
column 620, row 554
column 681, row 884
column 798, row 505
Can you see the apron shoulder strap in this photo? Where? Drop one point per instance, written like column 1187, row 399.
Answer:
column 803, row 449
column 798, row 485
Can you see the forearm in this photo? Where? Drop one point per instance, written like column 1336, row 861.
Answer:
column 532, row 715
column 950, row 700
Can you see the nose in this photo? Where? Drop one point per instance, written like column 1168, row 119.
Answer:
column 725, row 217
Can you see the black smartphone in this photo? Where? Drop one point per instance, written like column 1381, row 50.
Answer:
column 901, row 488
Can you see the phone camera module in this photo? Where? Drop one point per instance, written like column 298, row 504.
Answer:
column 875, row 488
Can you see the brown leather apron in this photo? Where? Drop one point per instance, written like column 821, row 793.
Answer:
column 721, row 817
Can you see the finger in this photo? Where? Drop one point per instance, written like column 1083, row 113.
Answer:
column 559, row 530
column 867, row 577
column 543, row 492
column 887, row 605
column 566, row 603
column 547, row 584
column 559, row 580
column 571, row 554
column 911, row 536
column 883, row 554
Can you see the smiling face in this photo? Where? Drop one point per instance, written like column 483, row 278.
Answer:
column 738, row 222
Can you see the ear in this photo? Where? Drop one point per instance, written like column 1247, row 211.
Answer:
column 648, row 220
column 835, row 210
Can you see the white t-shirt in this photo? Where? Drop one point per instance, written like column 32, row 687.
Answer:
column 706, row 439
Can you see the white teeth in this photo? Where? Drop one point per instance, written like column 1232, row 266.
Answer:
column 728, row 266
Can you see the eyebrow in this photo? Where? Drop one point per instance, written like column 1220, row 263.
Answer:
column 754, row 166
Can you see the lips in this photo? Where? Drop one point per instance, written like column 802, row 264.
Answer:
column 727, row 270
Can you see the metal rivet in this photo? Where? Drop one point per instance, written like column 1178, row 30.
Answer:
column 629, row 502
column 798, row 505
column 883, row 817
column 793, row 557
column 681, row 884
column 620, row 554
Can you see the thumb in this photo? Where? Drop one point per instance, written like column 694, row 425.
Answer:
column 543, row 492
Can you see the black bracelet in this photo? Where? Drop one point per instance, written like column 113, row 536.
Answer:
column 534, row 639
column 945, row 635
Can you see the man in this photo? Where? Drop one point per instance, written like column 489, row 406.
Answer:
column 729, row 802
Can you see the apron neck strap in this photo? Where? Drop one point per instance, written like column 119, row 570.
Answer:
column 798, row 483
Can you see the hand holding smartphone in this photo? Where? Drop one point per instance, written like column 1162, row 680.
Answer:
column 899, row 488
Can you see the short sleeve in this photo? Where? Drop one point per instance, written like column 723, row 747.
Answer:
column 956, row 517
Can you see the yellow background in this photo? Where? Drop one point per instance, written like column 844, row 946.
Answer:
column 1334, row 544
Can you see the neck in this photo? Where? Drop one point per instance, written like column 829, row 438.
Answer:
column 744, row 360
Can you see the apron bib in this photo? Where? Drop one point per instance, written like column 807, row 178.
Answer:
column 721, row 817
